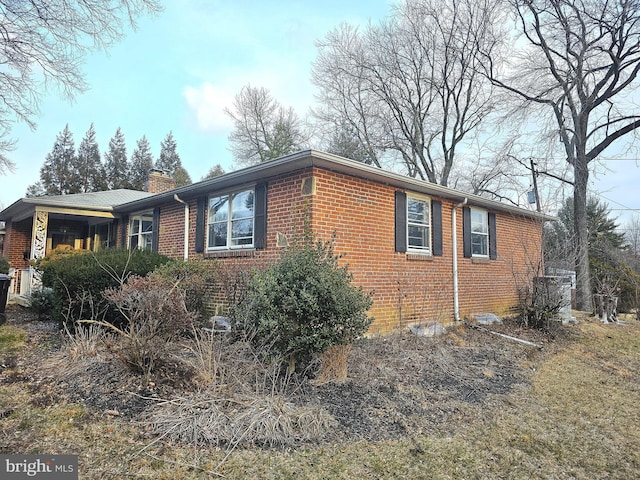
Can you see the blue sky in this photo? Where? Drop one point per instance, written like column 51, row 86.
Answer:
column 179, row 70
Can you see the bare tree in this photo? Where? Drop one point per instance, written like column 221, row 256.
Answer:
column 411, row 85
column 632, row 235
column 44, row 42
column 263, row 128
column 579, row 68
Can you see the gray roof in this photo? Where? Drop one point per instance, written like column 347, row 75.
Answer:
column 313, row 158
column 97, row 201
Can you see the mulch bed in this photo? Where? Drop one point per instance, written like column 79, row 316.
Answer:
column 399, row 385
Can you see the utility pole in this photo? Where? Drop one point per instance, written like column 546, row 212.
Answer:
column 535, row 184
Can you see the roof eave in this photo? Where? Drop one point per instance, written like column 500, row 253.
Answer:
column 314, row 158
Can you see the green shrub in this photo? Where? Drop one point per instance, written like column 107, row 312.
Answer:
column 41, row 301
column 4, row 265
column 304, row 303
column 192, row 277
column 78, row 280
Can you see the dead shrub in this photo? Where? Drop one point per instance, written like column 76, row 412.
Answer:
column 275, row 422
column 85, row 340
column 333, row 364
column 192, row 277
column 539, row 305
column 155, row 314
column 245, row 399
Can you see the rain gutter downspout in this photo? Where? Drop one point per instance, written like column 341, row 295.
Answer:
column 454, row 234
column 186, row 225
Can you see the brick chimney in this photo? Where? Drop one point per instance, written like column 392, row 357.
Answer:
column 159, row 181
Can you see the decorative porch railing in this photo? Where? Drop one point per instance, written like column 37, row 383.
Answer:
column 22, row 282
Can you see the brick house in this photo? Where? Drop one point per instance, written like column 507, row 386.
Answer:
column 397, row 234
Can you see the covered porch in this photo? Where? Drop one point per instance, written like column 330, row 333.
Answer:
column 37, row 227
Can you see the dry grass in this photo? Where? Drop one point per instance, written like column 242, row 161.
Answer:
column 333, row 364
column 11, row 339
column 575, row 418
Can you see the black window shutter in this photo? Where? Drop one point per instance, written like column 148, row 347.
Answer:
column 155, row 229
column 493, row 252
column 201, row 212
column 123, row 232
column 466, row 231
column 113, row 240
column 401, row 222
column 436, row 227
column 260, row 231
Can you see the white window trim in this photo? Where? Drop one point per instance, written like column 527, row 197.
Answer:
column 228, row 246
column 485, row 215
column 140, row 217
column 427, row 250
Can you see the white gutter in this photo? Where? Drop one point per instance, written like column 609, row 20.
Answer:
column 186, row 225
column 454, row 234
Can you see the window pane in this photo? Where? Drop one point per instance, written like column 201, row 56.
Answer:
column 242, row 205
column 134, row 242
column 218, row 209
column 418, row 237
column 417, row 211
column 218, row 234
column 135, row 226
column 479, row 223
column 479, row 244
column 147, row 226
column 242, row 232
column 146, row 241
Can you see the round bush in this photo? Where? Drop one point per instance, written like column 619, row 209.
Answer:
column 304, row 303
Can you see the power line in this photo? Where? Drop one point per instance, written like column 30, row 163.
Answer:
column 624, row 207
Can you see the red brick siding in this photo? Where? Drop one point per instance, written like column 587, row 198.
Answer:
column 286, row 207
column 492, row 285
column 17, row 242
column 407, row 288
column 171, row 229
column 412, row 288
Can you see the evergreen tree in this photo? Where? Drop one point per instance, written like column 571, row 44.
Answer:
column 345, row 142
column 88, row 165
column 117, row 166
column 181, row 177
column 169, row 161
column 35, row 190
column 214, row 171
column 141, row 163
column 55, row 173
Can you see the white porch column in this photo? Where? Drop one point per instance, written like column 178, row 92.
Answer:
column 39, row 235
column 38, row 246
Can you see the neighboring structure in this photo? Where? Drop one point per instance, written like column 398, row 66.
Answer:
column 396, row 233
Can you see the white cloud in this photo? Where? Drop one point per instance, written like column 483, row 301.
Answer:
column 207, row 103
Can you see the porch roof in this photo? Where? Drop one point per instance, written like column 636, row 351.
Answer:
column 83, row 203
